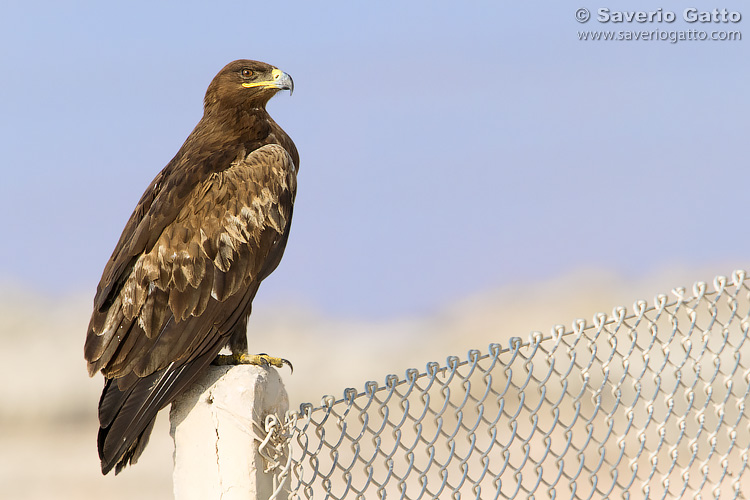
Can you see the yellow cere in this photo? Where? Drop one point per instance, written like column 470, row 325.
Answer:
column 275, row 74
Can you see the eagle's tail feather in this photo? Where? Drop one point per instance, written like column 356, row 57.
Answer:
column 127, row 414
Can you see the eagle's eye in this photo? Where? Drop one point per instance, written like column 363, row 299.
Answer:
column 247, row 73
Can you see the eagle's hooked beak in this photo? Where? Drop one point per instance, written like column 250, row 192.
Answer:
column 279, row 80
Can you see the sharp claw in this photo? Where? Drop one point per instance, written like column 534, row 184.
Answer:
column 287, row 362
column 261, row 359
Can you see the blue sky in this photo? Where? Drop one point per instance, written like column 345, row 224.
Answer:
column 446, row 147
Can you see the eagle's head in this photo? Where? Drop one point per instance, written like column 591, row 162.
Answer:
column 245, row 83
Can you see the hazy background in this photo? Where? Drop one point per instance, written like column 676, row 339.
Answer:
column 469, row 172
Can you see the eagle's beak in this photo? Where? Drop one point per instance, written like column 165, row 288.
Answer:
column 283, row 80
column 279, row 80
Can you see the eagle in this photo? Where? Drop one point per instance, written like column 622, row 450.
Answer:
column 180, row 283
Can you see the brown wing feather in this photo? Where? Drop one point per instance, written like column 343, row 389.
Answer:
column 175, row 304
column 218, row 244
column 158, row 207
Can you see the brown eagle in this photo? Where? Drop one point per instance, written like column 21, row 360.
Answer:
column 180, row 283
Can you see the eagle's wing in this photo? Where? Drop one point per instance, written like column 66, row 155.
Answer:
column 171, row 308
column 160, row 204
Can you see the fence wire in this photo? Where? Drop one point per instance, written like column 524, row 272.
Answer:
column 646, row 403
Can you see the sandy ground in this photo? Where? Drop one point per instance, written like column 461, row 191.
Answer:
column 48, row 415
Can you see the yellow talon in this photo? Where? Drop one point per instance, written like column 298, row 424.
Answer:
column 252, row 359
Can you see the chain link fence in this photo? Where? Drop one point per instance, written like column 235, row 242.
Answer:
column 642, row 403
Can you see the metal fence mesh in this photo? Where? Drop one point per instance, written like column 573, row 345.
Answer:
column 646, row 403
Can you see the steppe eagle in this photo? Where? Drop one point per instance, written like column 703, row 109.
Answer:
column 180, row 283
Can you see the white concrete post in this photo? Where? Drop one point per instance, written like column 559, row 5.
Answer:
column 216, row 443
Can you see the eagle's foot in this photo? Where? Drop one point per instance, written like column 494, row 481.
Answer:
column 252, row 359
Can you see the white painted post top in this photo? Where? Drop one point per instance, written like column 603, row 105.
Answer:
column 217, row 425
